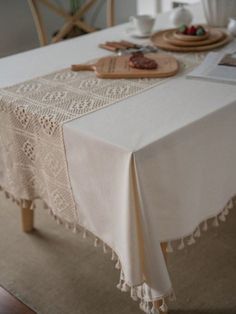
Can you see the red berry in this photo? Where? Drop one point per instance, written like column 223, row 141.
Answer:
column 192, row 31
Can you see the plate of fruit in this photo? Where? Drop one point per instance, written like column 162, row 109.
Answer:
column 214, row 35
column 204, row 40
column 191, row 33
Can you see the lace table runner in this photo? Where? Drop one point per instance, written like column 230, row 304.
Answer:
column 33, row 162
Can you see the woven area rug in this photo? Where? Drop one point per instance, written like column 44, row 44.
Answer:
column 56, row 272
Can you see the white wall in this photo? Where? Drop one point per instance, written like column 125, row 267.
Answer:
column 151, row 7
column 157, row 6
column 17, row 31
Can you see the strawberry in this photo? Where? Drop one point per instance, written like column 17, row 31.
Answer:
column 191, row 31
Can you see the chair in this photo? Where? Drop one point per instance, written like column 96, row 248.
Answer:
column 70, row 20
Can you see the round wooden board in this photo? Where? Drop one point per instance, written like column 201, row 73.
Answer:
column 213, row 37
column 184, row 37
column 160, row 42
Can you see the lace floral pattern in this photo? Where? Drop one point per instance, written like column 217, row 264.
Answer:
column 31, row 118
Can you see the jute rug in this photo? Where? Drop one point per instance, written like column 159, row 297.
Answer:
column 57, row 272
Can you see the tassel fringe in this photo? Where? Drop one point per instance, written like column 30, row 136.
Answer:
column 169, row 248
column 139, row 292
column 113, row 256
column 84, row 234
column 96, row 242
column 104, row 248
column 118, row 266
column 164, row 307
column 133, row 293
column 197, row 233
column 215, row 222
column 191, row 241
column 181, row 246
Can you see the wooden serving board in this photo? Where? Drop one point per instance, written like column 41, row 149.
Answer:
column 159, row 41
column 184, row 37
column 118, row 67
column 213, row 37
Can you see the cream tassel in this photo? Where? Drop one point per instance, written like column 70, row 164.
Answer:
column 133, row 294
column 142, row 305
column 85, row 234
column 169, row 248
column 164, row 307
column 58, row 221
column 32, row 206
column 122, row 275
column 118, row 266
column 181, row 246
column 75, row 229
column 113, row 256
column 96, row 241
column 197, row 233
column 191, row 240
column 148, row 291
column 215, row 222
column 67, row 225
column 120, row 284
column 226, row 211
column 222, row 217
column 104, row 248
column 125, row 287
column 154, row 309
column 231, row 204
column 147, row 307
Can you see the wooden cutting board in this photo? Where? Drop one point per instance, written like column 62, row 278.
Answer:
column 213, row 37
column 160, row 42
column 118, row 67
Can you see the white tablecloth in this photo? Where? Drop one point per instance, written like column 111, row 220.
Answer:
column 148, row 169
column 175, row 147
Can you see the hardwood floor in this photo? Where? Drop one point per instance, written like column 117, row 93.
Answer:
column 11, row 305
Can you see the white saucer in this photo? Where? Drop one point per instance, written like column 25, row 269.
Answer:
column 134, row 33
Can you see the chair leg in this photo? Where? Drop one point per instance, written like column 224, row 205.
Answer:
column 110, row 13
column 38, row 21
column 27, row 218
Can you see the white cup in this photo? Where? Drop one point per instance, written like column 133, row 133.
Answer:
column 143, row 24
column 232, row 26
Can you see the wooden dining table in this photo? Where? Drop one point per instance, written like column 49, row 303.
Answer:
column 149, row 163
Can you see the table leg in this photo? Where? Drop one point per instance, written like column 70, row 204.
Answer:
column 27, row 218
column 163, row 247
